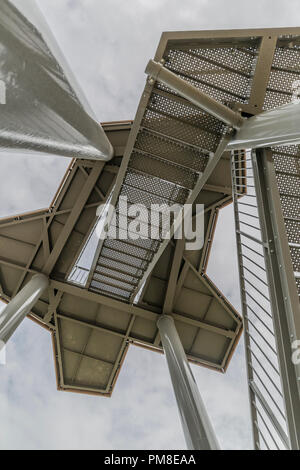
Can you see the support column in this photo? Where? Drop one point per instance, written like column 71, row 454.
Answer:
column 21, row 305
column 198, row 431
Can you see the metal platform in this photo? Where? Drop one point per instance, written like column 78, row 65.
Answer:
column 92, row 331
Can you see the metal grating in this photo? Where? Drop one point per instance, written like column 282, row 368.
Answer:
column 267, row 401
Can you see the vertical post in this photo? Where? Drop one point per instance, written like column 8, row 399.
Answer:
column 198, row 431
column 21, row 305
column 283, row 293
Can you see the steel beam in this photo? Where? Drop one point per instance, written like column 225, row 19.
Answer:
column 198, row 431
column 21, row 305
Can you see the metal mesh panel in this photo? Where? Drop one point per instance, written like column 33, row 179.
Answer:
column 147, row 244
column 183, row 126
column 266, row 394
column 284, row 73
column 155, row 186
column 293, row 230
column 285, row 160
column 105, row 278
column 122, row 257
column 129, row 248
column 186, row 113
column 109, row 290
column 119, row 266
column 171, row 150
column 79, row 275
column 288, row 184
column 295, row 254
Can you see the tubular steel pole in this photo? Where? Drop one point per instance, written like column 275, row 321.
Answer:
column 194, row 95
column 21, row 305
column 198, row 431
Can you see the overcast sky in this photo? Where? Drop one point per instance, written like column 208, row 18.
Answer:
column 108, row 44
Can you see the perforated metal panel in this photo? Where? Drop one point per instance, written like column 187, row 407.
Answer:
column 266, row 393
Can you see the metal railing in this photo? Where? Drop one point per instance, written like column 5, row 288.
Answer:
column 267, row 402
